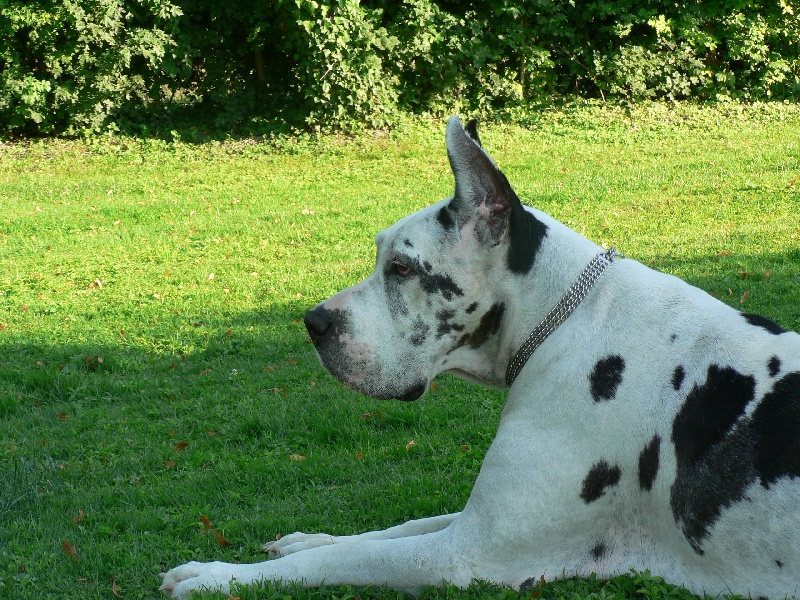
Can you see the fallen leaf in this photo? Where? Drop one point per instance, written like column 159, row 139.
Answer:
column 465, row 448
column 39, row 363
column 744, row 275
column 79, row 519
column 170, row 463
column 70, row 550
column 114, row 587
column 744, row 297
column 359, row 455
column 63, row 417
column 211, row 276
column 434, row 386
column 221, row 540
column 767, row 274
column 3, row 326
column 724, row 253
column 206, row 522
column 297, row 457
column 205, row 371
column 181, row 446
column 410, row 445
column 211, row 433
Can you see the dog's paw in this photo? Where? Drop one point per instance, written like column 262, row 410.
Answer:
column 180, row 581
column 295, row 542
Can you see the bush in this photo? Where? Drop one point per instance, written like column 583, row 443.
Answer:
column 72, row 65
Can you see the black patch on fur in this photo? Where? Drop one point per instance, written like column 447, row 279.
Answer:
column 711, row 462
column 471, row 308
column 779, row 563
column 427, row 266
column 420, row 333
column 606, row 377
column 775, row 425
column 600, row 477
column 445, row 325
column 598, row 551
column 442, row 284
column 677, row 377
column 488, row 326
column 648, row 463
column 763, row 322
column 408, row 243
column 673, row 337
column 774, row 366
column 445, row 218
column 526, row 234
column 529, row 584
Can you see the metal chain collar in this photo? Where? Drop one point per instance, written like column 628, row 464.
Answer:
column 568, row 303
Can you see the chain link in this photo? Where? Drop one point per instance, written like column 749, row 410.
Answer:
column 568, row 303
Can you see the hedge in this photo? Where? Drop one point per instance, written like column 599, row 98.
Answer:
column 68, row 66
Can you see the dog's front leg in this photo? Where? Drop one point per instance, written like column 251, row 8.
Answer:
column 406, row 563
column 296, row 542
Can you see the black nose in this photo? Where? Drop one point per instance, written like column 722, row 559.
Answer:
column 318, row 322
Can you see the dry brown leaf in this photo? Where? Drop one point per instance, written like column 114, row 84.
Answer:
column 744, row 297
column 181, row 446
column 114, row 589
column 63, row 417
column 297, row 457
column 206, row 522
column 205, row 371
column 410, row 445
column 70, row 550
column 359, row 455
column 170, row 463
column 79, row 519
column 220, row 539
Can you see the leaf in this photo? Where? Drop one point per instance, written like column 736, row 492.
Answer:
column 744, row 297
column 297, row 457
column 170, row 463
column 181, row 446
column 410, row 445
column 206, row 371
column 70, row 550
column 220, row 539
column 63, row 417
column 114, row 589
column 206, row 522
column 79, row 519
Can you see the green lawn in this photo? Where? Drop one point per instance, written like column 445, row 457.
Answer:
column 154, row 368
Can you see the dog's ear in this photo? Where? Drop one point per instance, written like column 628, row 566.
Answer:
column 481, row 188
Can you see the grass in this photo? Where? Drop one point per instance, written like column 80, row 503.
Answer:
column 153, row 364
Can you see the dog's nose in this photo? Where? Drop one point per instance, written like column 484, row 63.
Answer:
column 318, row 321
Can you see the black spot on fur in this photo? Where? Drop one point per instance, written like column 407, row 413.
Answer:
column 526, row 234
column 598, row 551
column 648, row 463
column 408, row 243
column 606, row 377
column 774, row 366
column 763, row 322
column 600, row 477
column 488, row 326
column 445, row 218
column 531, row 583
column 427, row 266
column 445, row 325
column 779, row 563
column 442, row 284
column 673, row 337
column 677, row 377
column 710, row 461
column 775, row 424
column 471, row 308
column 420, row 333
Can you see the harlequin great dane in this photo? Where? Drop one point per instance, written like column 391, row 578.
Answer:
column 647, row 425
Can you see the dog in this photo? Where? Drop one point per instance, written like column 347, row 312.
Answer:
column 647, row 425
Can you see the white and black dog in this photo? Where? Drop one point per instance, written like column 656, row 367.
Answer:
column 649, row 426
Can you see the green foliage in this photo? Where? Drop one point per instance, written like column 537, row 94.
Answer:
column 71, row 65
column 68, row 65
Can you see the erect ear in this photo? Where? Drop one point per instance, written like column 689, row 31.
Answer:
column 481, row 188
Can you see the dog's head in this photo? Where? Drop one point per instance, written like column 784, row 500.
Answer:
column 435, row 301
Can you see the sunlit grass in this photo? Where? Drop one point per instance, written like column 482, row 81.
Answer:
column 153, row 364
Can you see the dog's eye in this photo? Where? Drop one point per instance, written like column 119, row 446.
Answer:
column 402, row 269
